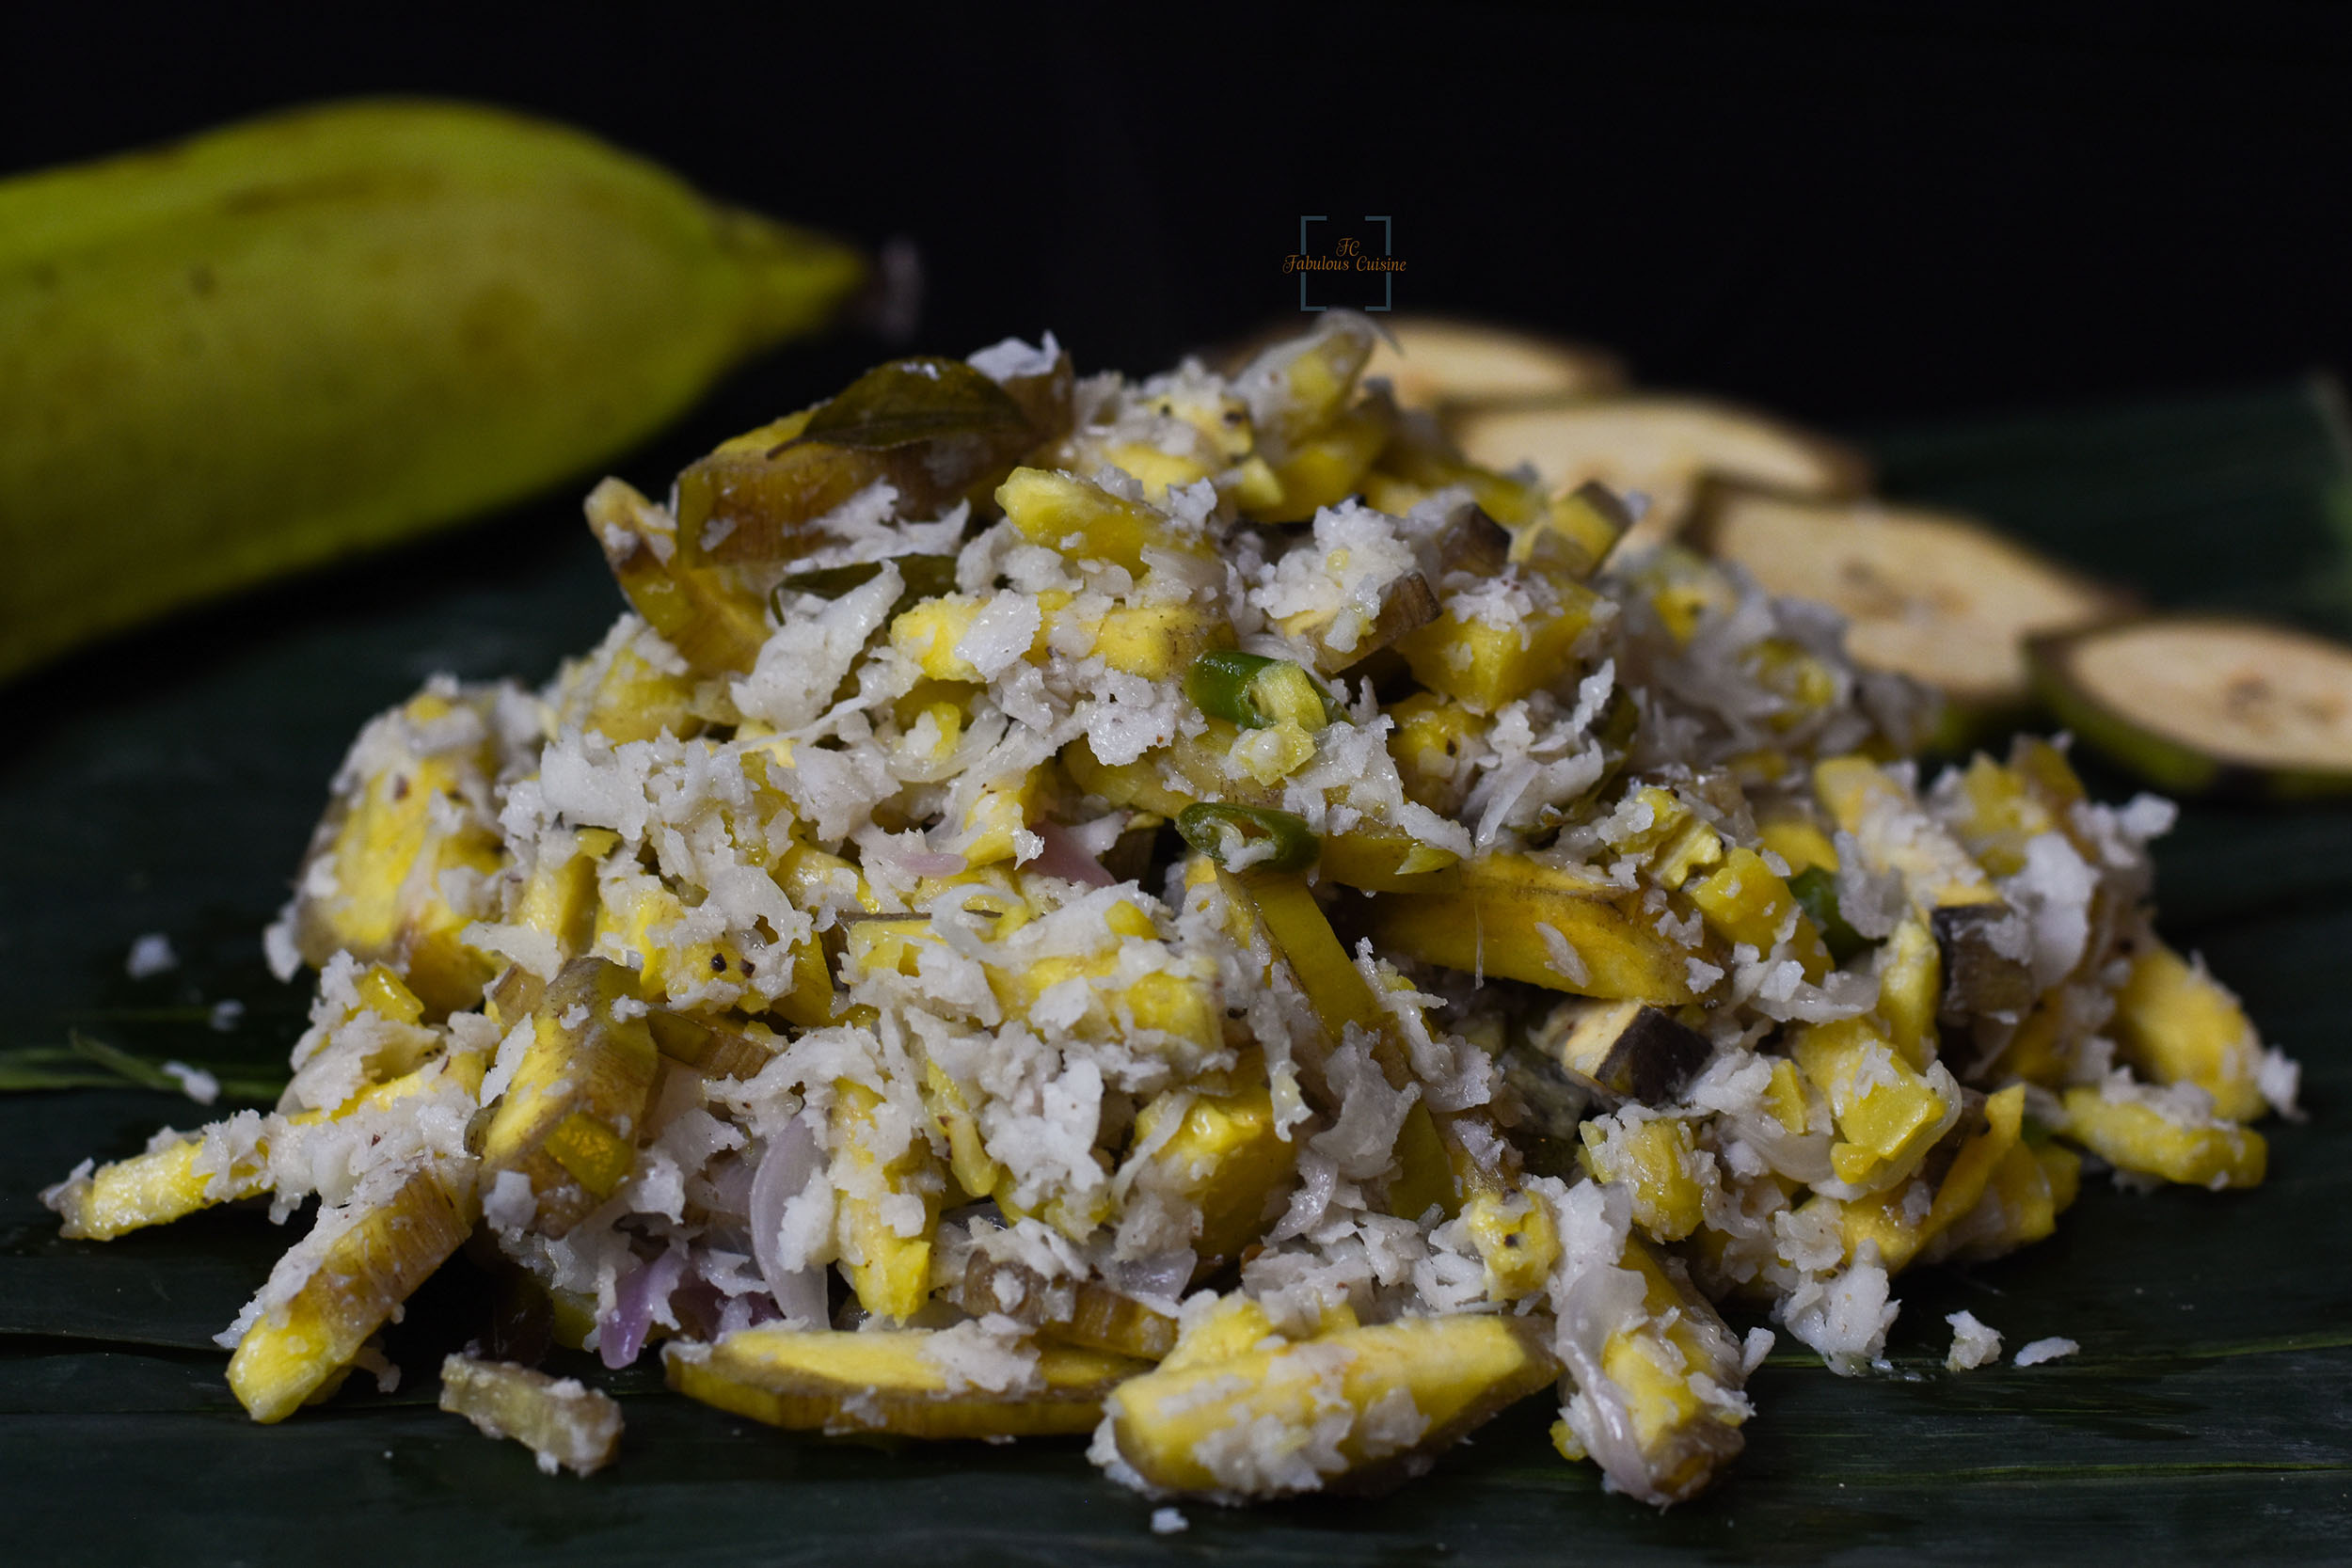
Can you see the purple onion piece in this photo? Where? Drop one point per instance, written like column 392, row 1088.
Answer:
column 928, row 863
column 621, row 1333
column 791, row 1158
column 1065, row 856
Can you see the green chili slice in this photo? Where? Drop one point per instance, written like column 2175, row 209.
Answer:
column 1815, row 891
column 1257, row 692
column 1295, row 847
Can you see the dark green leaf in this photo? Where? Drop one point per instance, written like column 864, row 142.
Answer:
column 926, row 576
column 920, row 399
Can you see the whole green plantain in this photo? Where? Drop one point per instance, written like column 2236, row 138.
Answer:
column 339, row 327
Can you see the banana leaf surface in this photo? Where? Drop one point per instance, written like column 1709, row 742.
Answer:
column 168, row 784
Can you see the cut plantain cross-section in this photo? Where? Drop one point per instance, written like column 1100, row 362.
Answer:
column 2204, row 705
column 1662, row 446
column 1937, row 597
column 1439, row 362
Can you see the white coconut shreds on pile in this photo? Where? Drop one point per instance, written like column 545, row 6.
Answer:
column 976, row 1003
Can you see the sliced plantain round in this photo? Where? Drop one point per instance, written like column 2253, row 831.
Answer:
column 1446, row 364
column 2207, row 706
column 1441, row 362
column 1940, row 598
column 1662, row 446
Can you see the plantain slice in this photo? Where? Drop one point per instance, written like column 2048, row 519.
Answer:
column 1523, row 919
column 332, row 1292
column 1938, row 597
column 1663, row 446
column 2202, row 706
column 1087, row 1313
column 709, row 1048
column 714, row 622
column 895, row 1381
column 1625, row 1049
column 571, row 1116
column 1441, row 361
column 1354, row 1409
column 170, row 1183
column 564, row 1423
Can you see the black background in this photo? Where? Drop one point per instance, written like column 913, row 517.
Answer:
column 1860, row 215
column 1852, row 212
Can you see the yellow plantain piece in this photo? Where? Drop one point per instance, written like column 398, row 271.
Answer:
column 564, row 1424
column 346, row 1289
column 169, row 1183
column 372, row 884
column 1084, row 521
column 714, row 622
column 1087, row 1313
column 1406, row 603
column 1888, row 1115
column 340, row 327
column 2177, row 1024
column 973, row 1170
column 1886, row 1219
column 153, row 1188
column 888, row 1266
column 1351, row 1408
column 1486, row 666
column 1157, row 642
column 1654, row 1158
column 558, row 897
column 2005, row 812
column 1282, row 907
column 1910, row 986
column 2150, row 1134
column 1298, row 387
column 1656, row 1402
column 571, row 1117
column 2030, row 1186
column 1796, row 838
column 623, row 695
column 1745, row 901
column 999, row 819
column 634, row 916
column 929, row 632
column 1180, row 1002
column 1429, row 744
column 1224, row 1156
column 1576, row 531
column 1413, row 466
column 1516, row 1238
column 1625, row 1049
column 709, row 1048
column 1432, row 1170
column 1678, row 843
column 1492, row 921
column 1860, row 796
column 1326, row 467
column 1369, row 855
column 822, row 1380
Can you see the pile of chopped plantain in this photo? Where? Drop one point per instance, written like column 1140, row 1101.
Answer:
column 1197, row 911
